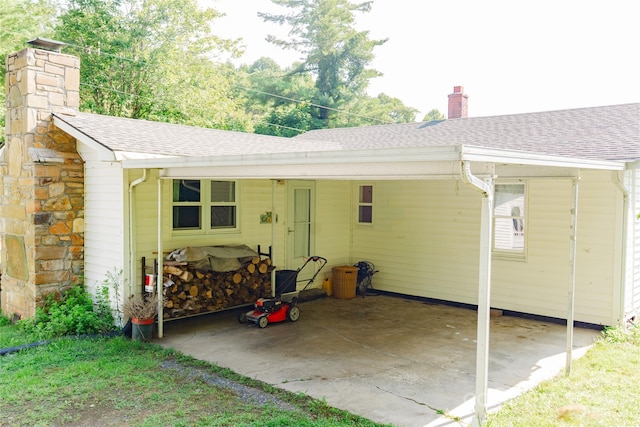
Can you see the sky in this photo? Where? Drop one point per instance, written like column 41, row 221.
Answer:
column 510, row 56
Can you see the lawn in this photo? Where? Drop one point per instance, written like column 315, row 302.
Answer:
column 119, row 382
column 116, row 381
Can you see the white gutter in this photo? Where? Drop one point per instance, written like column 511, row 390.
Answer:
column 132, row 261
column 625, row 235
column 484, row 290
column 160, row 281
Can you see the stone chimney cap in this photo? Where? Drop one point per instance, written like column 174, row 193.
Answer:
column 47, row 44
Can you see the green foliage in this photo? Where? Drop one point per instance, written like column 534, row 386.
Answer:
column 622, row 336
column 337, row 55
column 434, row 116
column 72, row 313
column 20, row 21
column 4, row 320
column 151, row 60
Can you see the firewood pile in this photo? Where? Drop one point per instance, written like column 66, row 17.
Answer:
column 189, row 290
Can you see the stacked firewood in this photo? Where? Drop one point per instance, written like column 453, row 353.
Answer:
column 189, row 291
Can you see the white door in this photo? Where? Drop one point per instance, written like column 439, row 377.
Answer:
column 300, row 227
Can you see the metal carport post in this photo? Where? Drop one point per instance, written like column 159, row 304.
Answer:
column 484, row 290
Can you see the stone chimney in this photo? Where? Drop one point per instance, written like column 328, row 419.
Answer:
column 42, row 203
column 458, row 104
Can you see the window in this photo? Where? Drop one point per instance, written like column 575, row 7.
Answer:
column 509, row 219
column 365, row 204
column 223, row 204
column 210, row 210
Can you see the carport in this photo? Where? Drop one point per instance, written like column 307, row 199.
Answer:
column 391, row 359
column 476, row 167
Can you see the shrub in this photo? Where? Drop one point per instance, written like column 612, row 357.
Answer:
column 73, row 313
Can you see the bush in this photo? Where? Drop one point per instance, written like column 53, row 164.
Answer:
column 74, row 313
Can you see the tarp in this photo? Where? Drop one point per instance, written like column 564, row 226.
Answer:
column 215, row 258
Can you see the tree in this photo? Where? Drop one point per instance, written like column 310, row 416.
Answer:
column 434, row 116
column 336, row 54
column 151, row 59
column 20, row 21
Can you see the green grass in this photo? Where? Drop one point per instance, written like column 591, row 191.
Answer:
column 116, row 381
column 602, row 389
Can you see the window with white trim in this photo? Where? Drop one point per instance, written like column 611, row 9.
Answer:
column 365, row 204
column 509, row 218
column 204, row 205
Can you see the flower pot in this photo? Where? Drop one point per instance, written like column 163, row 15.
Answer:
column 141, row 329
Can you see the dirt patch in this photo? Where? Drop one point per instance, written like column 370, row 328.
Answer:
column 246, row 394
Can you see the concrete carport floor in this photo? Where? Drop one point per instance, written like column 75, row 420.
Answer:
column 390, row 359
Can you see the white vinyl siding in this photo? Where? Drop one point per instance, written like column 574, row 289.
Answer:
column 333, row 223
column 632, row 296
column 255, row 200
column 105, row 231
column 426, row 243
column 425, row 239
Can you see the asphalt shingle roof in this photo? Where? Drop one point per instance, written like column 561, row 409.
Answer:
column 120, row 134
column 596, row 133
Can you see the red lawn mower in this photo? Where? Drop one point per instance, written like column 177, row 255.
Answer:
column 281, row 308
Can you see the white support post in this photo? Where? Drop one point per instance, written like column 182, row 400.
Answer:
column 484, row 306
column 484, row 290
column 572, row 273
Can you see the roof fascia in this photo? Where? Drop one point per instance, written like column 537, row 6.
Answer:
column 393, row 155
column 507, row 157
column 102, row 152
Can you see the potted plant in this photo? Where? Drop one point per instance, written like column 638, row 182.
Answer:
column 142, row 311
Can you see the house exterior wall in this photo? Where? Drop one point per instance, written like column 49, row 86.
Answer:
column 256, row 197
column 425, row 241
column 105, row 225
column 632, row 297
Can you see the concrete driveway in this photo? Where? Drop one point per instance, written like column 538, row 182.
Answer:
column 390, row 359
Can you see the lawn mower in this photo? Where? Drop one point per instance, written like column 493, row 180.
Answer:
column 280, row 308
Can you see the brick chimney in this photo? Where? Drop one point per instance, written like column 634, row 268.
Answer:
column 458, row 104
column 42, row 202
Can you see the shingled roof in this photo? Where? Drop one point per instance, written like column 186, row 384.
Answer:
column 597, row 133
column 120, row 134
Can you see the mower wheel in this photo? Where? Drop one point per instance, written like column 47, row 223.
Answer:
column 294, row 313
column 242, row 317
column 263, row 322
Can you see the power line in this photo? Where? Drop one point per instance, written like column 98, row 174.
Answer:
column 99, row 52
column 132, row 95
column 313, row 105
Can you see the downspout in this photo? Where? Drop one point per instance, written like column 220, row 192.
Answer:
column 484, row 289
column 625, row 235
column 273, row 235
column 132, row 261
column 160, row 281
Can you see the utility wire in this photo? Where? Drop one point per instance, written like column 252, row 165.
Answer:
column 312, row 104
column 132, row 95
column 100, row 52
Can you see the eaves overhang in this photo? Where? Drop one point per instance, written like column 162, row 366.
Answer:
column 102, row 151
column 441, row 162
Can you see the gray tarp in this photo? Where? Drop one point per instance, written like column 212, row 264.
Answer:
column 216, row 258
